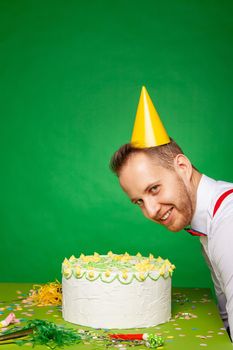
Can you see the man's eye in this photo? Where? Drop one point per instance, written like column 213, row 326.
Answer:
column 154, row 189
column 139, row 202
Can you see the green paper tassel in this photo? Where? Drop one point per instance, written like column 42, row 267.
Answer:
column 48, row 334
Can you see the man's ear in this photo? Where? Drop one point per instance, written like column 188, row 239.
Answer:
column 183, row 167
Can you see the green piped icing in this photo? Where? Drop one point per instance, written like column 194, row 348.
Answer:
column 111, row 267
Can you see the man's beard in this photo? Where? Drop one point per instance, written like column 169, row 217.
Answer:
column 184, row 206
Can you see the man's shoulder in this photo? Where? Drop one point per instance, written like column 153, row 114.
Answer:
column 222, row 204
column 223, row 186
column 220, row 194
column 218, row 186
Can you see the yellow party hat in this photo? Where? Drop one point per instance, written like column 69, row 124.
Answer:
column 148, row 129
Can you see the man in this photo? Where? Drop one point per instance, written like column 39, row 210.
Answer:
column 158, row 177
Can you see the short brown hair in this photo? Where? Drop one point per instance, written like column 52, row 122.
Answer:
column 164, row 154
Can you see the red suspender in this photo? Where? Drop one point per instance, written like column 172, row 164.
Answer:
column 194, row 232
column 220, row 200
column 216, row 207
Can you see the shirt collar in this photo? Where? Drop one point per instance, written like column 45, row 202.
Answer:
column 205, row 191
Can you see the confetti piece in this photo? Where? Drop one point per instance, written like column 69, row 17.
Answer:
column 50, row 311
column 185, row 315
column 203, row 344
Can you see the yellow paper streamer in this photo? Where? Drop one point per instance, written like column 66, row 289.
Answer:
column 45, row 295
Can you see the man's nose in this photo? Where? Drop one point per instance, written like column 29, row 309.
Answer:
column 152, row 208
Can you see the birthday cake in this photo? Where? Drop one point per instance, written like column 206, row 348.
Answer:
column 116, row 291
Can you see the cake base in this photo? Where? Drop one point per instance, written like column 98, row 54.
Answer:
column 99, row 304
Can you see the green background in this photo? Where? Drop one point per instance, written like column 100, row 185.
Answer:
column 71, row 74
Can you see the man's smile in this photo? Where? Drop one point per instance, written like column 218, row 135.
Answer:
column 166, row 215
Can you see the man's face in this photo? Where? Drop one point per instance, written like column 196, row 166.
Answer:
column 163, row 195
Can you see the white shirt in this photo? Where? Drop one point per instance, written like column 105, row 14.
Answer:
column 218, row 243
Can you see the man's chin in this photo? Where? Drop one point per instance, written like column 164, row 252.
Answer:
column 175, row 228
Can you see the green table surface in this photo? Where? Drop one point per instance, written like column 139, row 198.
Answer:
column 204, row 330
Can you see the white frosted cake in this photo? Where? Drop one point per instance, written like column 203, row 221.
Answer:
column 116, row 291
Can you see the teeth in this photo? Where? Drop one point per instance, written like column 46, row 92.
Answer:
column 166, row 215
